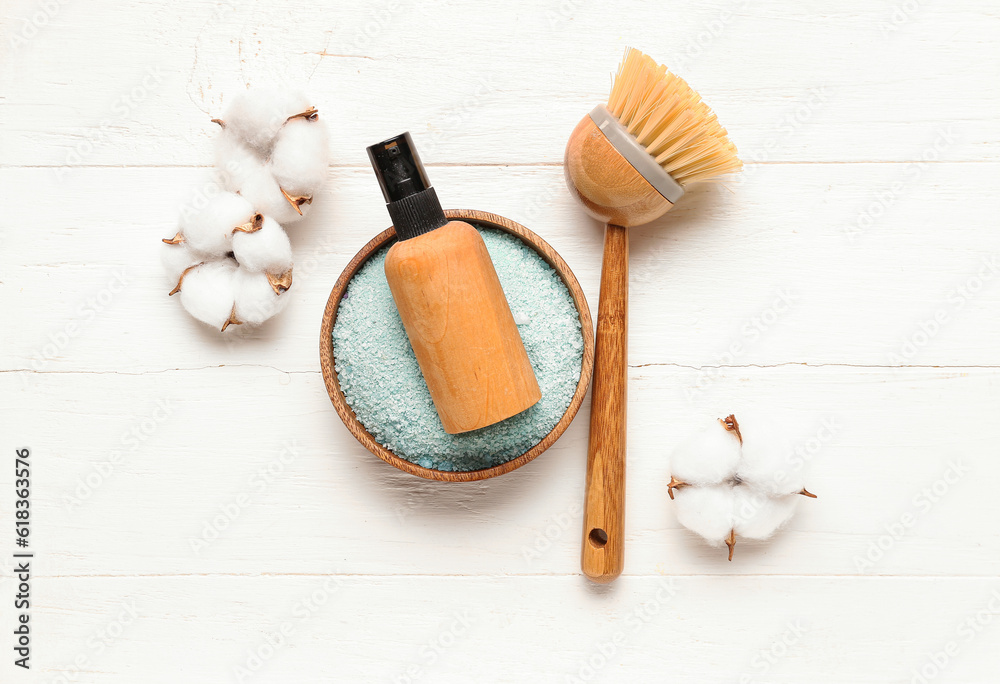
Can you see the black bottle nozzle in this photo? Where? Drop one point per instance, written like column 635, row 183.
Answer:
column 412, row 203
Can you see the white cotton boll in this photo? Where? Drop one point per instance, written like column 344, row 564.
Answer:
column 235, row 161
column 256, row 116
column 267, row 249
column 769, row 461
column 209, row 228
column 707, row 511
column 709, row 456
column 208, row 292
column 263, row 193
column 301, row 156
column 762, row 493
column 177, row 258
column 757, row 516
column 255, row 298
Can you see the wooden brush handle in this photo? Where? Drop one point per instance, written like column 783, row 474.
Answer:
column 604, row 508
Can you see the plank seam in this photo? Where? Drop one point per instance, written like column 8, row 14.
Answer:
column 783, row 364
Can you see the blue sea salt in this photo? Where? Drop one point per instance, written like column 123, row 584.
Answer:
column 382, row 383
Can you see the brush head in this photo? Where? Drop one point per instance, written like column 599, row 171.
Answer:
column 669, row 118
column 629, row 162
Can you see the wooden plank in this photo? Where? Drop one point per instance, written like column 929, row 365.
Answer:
column 196, row 495
column 777, row 269
column 446, row 629
column 505, row 84
column 249, row 470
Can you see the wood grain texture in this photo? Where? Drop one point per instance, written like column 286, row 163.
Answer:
column 848, row 276
column 852, row 295
column 909, row 74
column 606, row 184
column 603, row 549
column 319, row 496
column 328, row 362
column 336, row 628
column 611, row 190
column 461, row 328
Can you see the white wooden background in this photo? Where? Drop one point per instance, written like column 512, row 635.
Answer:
column 196, row 498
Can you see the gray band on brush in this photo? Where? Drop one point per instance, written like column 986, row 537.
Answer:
column 636, row 154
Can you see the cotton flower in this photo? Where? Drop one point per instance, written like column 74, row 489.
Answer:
column 208, row 292
column 707, row 511
column 769, row 461
column 209, row 228
column 730, row 480
column 757, row 515
column 256, row 299
column 231, row 260
column 273, row 150
column 710, row 455
column 236, row 162
column 255, row 116
column 179, row 257
column 228, row 291
column 266, row 249
column 299, row 160
column 263, row 192
column 222, row 293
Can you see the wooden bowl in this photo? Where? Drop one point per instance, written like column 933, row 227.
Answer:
column 347, row 414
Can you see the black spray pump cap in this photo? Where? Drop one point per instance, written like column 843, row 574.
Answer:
column 412, row 203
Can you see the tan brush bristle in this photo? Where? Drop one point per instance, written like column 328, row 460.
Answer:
column 669, row 118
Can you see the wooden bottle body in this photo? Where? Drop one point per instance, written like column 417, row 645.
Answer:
column 461, row 327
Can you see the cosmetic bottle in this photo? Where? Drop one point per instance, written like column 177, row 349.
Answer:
column 450, row 301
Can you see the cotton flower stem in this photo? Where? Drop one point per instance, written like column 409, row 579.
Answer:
column 280, row 283
column 806, row 492
column 175, row 240
column 297, row 200
column 180, row 280
column 251, row 226
column 310, row 114
column 729, row 422
column 674, row 484
column 220, row 122
column 731, row 543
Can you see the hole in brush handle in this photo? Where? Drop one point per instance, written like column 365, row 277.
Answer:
column 598, row 537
